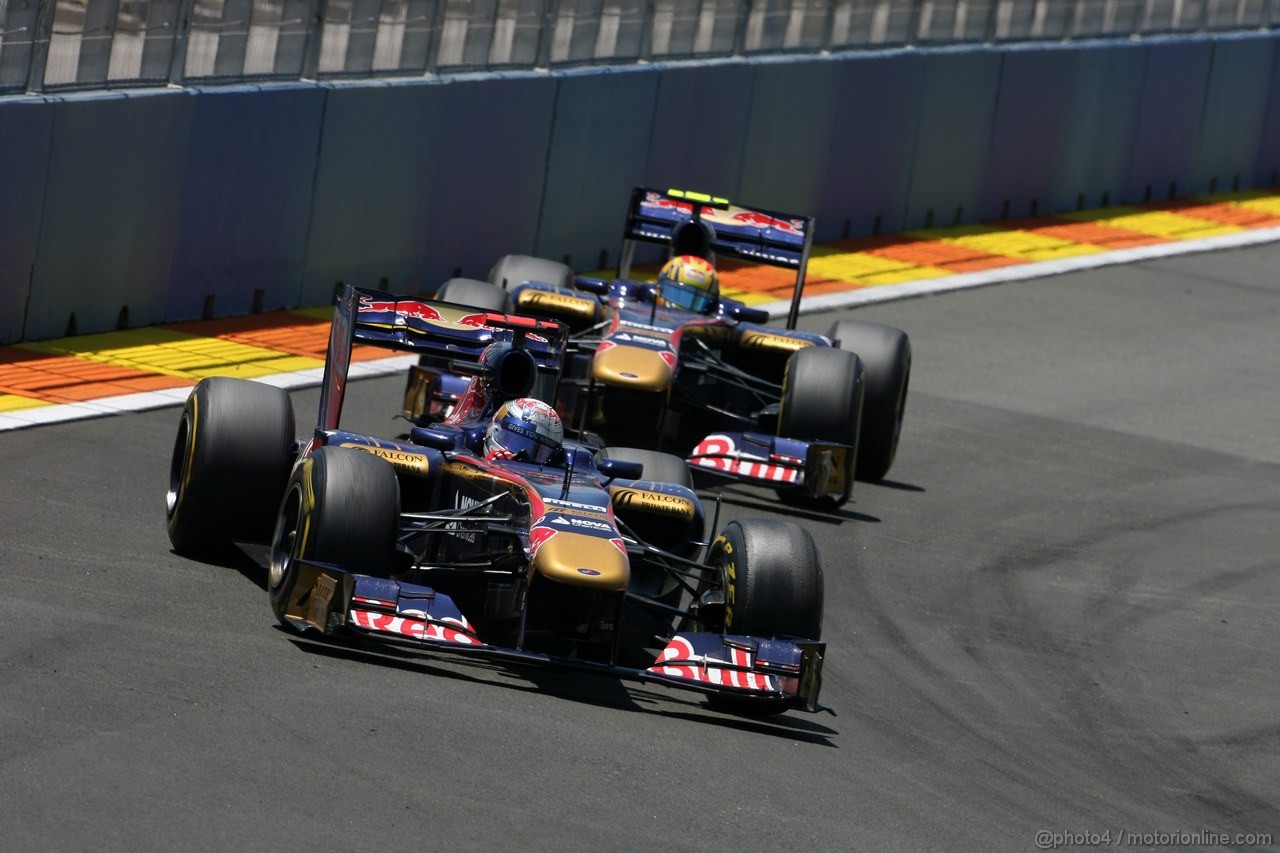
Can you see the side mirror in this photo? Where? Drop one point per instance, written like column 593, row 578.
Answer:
column 744, row 314
column 618, row 469
column 433, row 438
column 598, row 286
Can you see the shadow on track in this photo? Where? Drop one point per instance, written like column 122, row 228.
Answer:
column 239, row 557
column 585, row 689
column 751, row 501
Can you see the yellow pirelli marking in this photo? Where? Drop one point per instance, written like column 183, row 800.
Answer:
column 172, row 353
column 15, row 402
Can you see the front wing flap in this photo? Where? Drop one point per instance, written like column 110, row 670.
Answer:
column 815, row 468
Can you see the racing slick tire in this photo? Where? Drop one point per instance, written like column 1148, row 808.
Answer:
column 886, row 354
column 658, row 467
column 230, row 464
column 773, row 587
column 822, row 398
column 511, row 271
column 474, row 294
column 342, row 506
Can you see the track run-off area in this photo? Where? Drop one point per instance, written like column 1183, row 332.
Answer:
column 1060, row 615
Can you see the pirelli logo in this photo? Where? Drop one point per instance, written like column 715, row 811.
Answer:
column 655, row 503
column 401, row 459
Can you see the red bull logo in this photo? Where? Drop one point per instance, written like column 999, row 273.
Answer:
column 760, row 220
column 404, row 308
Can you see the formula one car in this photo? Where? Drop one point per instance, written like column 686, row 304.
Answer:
column 566, row 558
column 793, row 410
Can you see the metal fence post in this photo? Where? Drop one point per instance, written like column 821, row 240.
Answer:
column 315, row 33
column 181, row 35
column 41, row 32
column 550, row 14
column 740, row 35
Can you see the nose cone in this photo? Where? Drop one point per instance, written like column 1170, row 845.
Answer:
column 579, row 559
column 634, row 367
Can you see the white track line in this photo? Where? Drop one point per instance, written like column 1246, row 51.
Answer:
column 37, row 415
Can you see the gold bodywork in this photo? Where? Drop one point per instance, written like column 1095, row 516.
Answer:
column 402, row 460
column 562, row 304
column 632, row 367
column 754, row 339
column 654, row 503
column 560, row 557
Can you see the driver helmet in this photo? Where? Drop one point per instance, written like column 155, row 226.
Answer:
column 688, row 282
column 524, row 430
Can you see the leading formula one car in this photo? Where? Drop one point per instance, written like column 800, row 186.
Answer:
column 796, row 411
column 569, row 560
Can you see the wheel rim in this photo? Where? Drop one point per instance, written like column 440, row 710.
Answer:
column 285, row 538
column 179, row 466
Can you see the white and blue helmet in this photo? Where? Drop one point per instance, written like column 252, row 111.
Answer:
column 526, row 430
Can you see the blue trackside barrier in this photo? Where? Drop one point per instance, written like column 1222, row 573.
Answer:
column 1029, row 133
column 1098, row 132
column 874, row 120
column 26, row 128
column 1169, row 117
column 113, row 200
column 1267, row 167
column 371, row 207
column 599, row 147
column 246, row 199
column 952, row 137
column 793, row 109
column 1235, row 110
column 143, row 206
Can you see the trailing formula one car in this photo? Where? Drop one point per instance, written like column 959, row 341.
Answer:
column 488, row 534
column 796, row 411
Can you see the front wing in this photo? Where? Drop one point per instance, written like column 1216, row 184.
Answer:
column 814, row 468
column 778, row 672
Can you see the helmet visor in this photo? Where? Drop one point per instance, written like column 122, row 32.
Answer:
column 525, row 443
column 684, row 296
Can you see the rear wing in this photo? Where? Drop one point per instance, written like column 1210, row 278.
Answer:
column 699, row 224
column 430, row 328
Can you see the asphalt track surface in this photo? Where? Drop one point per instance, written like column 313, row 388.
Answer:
column 1061, row 615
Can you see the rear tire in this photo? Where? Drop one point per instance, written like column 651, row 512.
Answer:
column 230, row 464
column 773, row 586
column 886, row 353
column 822, row 398
column 352, row 520
column 474, row 294
column 511, row 271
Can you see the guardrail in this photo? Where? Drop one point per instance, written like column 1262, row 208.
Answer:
column 50, row 45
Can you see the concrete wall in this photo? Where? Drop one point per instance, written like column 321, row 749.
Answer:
column 139, row 207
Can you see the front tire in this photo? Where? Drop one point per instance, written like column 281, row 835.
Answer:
column 822, row 399
column 342, row 506
column 886, row 353
column 773, row 587
column 229, row 466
